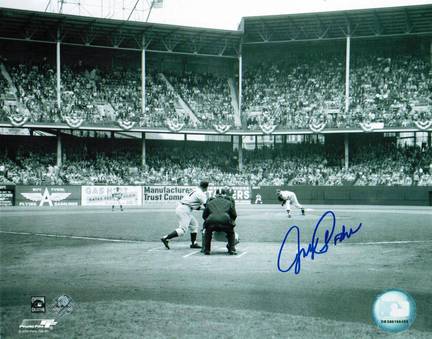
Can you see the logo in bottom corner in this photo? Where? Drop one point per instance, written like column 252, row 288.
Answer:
column 37, row 325
column 394, row 310
column 62, row 305
column 38, row 305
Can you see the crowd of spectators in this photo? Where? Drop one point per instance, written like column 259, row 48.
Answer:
column 391, row 91
column 294, row 94
column 33, row 87
column 386, row 165
column 208, row 96
column 29, row 168
column 303, row 164
column 104, row 96
column 291, row 94
column 395, row 90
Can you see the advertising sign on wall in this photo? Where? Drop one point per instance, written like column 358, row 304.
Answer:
column 7, row 195
column 48, row 195
column 241, row 193
column 164, row 194
column 103, row 195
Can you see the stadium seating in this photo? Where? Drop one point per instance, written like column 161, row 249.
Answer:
column 207, row 95
column 294, row 165
column 294, row 95
column 103, row 96
column 394, row 91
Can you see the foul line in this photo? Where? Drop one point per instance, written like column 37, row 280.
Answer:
column 72, row 237
column 156, row 249
column 391, row 242
column 192, row 253
column 239, row 256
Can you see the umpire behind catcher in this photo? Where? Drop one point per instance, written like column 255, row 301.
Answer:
column 220, row 215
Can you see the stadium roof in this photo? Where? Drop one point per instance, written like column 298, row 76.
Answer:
column 131, row 35
column 121, row 34
column 391, row 21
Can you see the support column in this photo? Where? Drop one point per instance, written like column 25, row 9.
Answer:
column 429, row 139
column 347, row 73
column 240, row 152
column 59, row 149
column 143, row 149
column 143, row 77
column 240, row 81
column 346, row 148
column 58, row 70
column 256, row 142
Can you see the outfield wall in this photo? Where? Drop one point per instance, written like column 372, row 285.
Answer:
column 101, row 195
column 349, row 195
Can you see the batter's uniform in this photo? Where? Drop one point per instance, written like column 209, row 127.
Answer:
column 191, row 201
column 288, row 198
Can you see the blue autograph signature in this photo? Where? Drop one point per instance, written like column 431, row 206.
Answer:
column 314, row 247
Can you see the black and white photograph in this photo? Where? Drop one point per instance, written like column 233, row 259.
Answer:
column 196, row 169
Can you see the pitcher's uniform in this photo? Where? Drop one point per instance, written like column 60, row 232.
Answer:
column 288, row 198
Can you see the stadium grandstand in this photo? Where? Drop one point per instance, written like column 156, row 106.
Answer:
column 328, row 99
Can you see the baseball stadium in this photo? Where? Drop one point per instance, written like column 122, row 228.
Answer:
column 313, row 128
